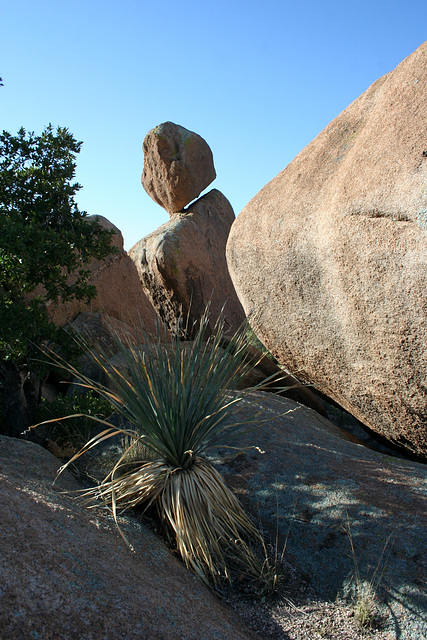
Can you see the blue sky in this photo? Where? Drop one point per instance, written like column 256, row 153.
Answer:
column 257, row 80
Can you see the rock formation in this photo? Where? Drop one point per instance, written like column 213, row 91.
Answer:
column 178, row 165
column 119, row 293
column 65, row 572
column 299, row 473
column 182, row 265
column 330, row 258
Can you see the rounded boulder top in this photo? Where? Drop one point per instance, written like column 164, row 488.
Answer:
column 178, row 166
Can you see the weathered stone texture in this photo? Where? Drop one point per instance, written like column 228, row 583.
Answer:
column 306, row 480
column 178, row 165
column 182, row 265
column 119, row 293
column 65, row 572
column 330, row 258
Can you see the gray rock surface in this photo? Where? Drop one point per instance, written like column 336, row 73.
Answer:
column 298, row 472
column 330, row 258
column 182, row 265
column 66, row 573
column 178, row 165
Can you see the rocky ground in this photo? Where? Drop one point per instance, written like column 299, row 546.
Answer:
column 324, row 489
column 296, row 612
column 297, row 472
column 303, row 608
column 308, row 619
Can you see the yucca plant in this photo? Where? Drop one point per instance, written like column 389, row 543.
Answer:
column 177, row 399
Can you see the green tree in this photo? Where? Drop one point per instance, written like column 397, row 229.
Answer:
column 46, row 243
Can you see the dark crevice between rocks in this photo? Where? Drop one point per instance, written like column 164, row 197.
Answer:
column 363, row 434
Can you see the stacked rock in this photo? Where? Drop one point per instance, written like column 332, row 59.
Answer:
column 182, row 265
column 178, row 165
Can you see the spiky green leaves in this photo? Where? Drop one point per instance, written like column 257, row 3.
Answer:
column 176, row 399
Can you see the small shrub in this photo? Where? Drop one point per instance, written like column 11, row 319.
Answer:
column 177, row 398
column 70, row 420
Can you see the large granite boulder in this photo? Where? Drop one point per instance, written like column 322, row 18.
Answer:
column 178, row 165
column 66, row 573
column 182, row 265
column 119, row 293
column 330, row 258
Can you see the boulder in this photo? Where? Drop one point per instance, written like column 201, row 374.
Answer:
column 330, row 259
column 65, row 572
column 100, row 330
column 178, row 165
column 119, row 293
column 182, row 265
column 307, row 482
column 101, row 333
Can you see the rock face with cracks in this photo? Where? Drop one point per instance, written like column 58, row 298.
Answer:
column 330, row 258
column 182, row 265
column 178, row 165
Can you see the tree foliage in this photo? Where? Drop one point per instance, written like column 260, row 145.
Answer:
column 44, row 238
column 46, row 242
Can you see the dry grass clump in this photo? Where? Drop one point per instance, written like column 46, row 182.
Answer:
column 364, row 593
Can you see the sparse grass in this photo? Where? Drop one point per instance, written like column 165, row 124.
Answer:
column 364, row 591
column 264, row 563
column 271, row 575
column 271, row 571
column 366, row 605
column 134, row 451
column 177, row 399
column 264, row 570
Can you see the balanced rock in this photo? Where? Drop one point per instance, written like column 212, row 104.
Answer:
column 330, row 258
column 182, row 265
column 119, row 293
column 178, row 165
